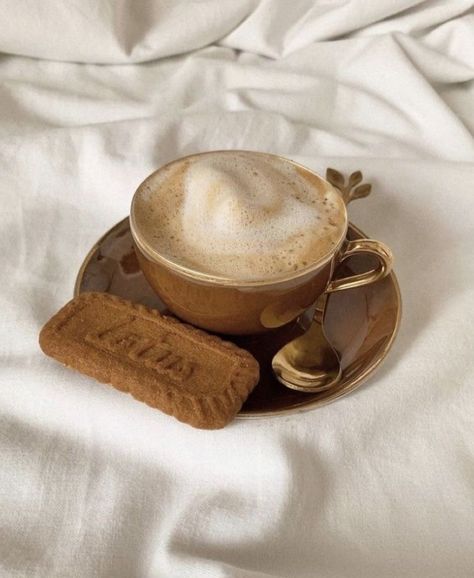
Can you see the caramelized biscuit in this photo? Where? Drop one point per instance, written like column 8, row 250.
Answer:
column 196, row 377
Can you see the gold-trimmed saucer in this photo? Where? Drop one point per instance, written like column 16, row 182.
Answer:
column 361, row 323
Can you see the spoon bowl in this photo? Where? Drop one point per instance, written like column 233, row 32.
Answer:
column 309, row 362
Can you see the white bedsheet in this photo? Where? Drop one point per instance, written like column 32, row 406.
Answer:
column 93, row 96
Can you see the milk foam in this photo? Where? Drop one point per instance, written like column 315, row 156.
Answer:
column 239, row 215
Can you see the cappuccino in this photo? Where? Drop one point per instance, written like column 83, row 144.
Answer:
column 239, row 215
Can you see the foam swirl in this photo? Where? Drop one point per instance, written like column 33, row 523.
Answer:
column 239, row 215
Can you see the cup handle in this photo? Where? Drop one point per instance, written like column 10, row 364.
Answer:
column 381, row 251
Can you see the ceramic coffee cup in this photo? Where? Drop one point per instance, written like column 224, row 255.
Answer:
column 239, row 306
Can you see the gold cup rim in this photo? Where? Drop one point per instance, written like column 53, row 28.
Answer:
column 195, row 274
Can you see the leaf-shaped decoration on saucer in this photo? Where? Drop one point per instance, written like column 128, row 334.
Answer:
column 335, row 178
column 361, row 191
column 355, row 179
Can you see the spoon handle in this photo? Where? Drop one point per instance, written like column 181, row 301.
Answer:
column 351, row 190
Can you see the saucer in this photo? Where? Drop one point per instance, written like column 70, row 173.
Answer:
column 361, row 323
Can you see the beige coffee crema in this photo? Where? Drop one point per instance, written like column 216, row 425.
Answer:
column 239, row 215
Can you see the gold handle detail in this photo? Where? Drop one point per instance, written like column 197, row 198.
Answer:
column 381, row 251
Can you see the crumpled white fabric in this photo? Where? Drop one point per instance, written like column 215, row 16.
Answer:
column 379, row 484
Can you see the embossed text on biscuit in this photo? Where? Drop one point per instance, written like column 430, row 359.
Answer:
column 157, row 354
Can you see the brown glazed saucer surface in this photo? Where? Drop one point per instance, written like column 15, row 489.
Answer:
column 361, row 323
